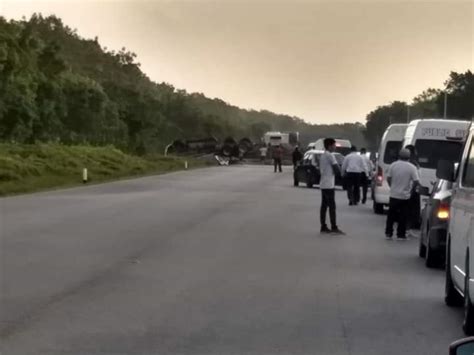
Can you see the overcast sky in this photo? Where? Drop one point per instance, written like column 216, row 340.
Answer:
column 322, row 61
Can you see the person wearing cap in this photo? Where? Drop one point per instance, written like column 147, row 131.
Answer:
column 402, row 177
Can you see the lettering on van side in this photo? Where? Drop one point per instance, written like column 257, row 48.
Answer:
column 442, row 132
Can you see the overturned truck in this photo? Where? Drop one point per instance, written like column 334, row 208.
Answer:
column 229, row 148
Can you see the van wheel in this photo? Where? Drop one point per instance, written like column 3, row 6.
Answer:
column 378, row 208
column 421, row 248
column 309, row 184
column 296, row 182
column 451, row 296
column 468, row 324
column 433, row 258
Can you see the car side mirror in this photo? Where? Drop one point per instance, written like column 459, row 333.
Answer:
column 445, row 170
column 424, row 191
column 462, row 347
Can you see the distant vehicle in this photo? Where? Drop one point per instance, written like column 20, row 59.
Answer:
column 279, row 138
column 434, row 223
column 435, row 140
column 343, row 146
column 390, row 146
column 459, row 288
column 308, row 170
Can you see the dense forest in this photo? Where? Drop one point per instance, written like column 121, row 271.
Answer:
column 58, row 87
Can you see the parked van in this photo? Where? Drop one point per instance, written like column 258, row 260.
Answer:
column 459, row 288
column 392, row 141
column 343, row 146
column 435, row 140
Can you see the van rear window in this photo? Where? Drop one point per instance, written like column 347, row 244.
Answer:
column 432, row 151
column 392, row 149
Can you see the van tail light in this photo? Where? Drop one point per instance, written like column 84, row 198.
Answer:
column 379, row 177
column 443, row 211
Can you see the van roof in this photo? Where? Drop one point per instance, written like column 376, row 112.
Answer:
column 437, row 120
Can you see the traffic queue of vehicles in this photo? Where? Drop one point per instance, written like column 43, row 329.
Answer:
column 445, row 151
column 445, row 154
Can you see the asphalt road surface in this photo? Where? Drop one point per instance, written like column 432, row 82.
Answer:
column 226, row 260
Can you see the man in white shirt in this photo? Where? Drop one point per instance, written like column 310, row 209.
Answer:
column 366, row 175
column 352, row 167
column 328, row 169
column 402, row 177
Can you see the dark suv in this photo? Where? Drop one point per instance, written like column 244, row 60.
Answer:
column 308, row 170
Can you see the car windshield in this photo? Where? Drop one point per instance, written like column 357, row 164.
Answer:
column 430, row 152
column 392, row 149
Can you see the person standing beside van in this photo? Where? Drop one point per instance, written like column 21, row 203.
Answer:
column 352, row 167
column 414, row 216
column 329, row 169
column 402, row 177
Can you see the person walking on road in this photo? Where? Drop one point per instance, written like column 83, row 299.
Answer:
column 297, row 156
column 263, row 154
column 352, row 167
column 328, row 168
column 402, row 177
column 366, row 175
column 414, row 217
column 277, row 156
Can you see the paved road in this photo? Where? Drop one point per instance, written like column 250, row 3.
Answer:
column 225, row 260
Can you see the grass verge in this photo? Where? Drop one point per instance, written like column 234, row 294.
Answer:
column 30, row 168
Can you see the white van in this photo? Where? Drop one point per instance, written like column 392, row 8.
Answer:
column 459, row 288
column 343, row 146
column 392, row 141
column 435, row 140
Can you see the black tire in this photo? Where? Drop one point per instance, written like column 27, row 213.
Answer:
column 452, row 298
column 378, row 208
column 309, row 184
column 468, row 324
column 295, row 180
column 421, row 248
column 433, row 257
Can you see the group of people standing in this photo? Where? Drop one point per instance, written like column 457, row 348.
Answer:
column 356, row 171
column 402, row 177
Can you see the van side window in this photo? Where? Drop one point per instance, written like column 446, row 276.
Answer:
column 468, row 178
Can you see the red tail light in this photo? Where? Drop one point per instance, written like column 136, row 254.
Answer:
column 379, row 177
column 443, row 211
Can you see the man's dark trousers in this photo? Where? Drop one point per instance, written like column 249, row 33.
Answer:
column 397, row 212
column 353, row 187
column 277, row 163
column 328, row 201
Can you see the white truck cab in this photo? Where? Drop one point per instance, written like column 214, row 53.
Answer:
column 460, row 242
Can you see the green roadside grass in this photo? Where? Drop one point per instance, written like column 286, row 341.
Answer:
column 30, row 168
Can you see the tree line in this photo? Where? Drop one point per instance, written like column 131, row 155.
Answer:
column 459, row 91
column 58, row 87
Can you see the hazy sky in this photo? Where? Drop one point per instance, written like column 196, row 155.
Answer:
column 322, row 61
